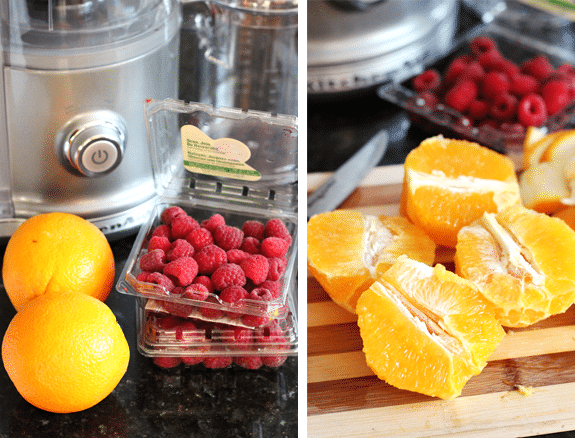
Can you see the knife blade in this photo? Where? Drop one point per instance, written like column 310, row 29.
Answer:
column 348, row 176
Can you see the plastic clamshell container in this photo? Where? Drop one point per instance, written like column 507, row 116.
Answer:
column 272, row 144
column 442, row 119
column 165, row 336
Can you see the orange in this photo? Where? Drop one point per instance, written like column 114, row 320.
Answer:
column 567, row 215
column 55, row 253
column 543, row 188
column 521, row 261
column 450, row 183
column 65, row 353
column 347, row 250
column 425, row 329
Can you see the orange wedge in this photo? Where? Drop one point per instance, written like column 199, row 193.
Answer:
column 425, row 329
column 347, row 250
column 450, row 183
column 521, row 261
column 543, row 187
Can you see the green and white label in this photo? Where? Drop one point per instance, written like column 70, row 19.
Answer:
column 225, row 157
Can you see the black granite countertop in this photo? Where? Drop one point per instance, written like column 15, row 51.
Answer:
column 156, row 403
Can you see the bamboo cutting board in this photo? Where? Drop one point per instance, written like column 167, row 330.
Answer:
column 527, row 388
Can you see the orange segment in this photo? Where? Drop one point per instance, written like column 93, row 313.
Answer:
column 521, row 261
column 543, row 188
column 347, row 250
column 450, row 183
column 426, row 329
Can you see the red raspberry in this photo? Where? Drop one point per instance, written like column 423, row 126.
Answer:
column 254, row 320
column 233, row 295
column 159, row 242
column 251, row 245
column 275, row 288
column 481, row 44
column 522, row 84
column 489, row 60
column 272, row 338
column 538, row 67
column 556, row 96
column 177, row 309
column 162, row 230
column 216, row 362
column 506, row 67
column 209, row 258
column 532, row 110
column 249, row 362
column 179, row 248
column 228, row 274
column 205, row 281
column 199, row 238
column 261, row 294
column 478, row 109
column 165, row 322
column 182, row 270
column 455, row 68
column 170, row 213
column 161, row 280
column 429, row 80
column 277, row 268
column 154, row 260
column 276, row 228
column 274, row 247
column 237, row 256
column 489, row 123
column 567, row 69
column 503, row 107
column 494, row 84
column 196, row 291
column 167, row 361
column 215, row 221
column 228, row 237
column 209, row 312
column 429, row 100
column 254, row 229
column 143, row 276
column 239, row 337
column 182, row 226
column 515, row 129
column 460, row 96
column 473, row 71
column 256, row 267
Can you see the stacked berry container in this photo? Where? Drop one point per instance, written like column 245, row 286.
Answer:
column 214, row 268
column 490, row 88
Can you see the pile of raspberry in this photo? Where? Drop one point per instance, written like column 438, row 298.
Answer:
column 491, row 90
column 247, row 348
column 218, row 264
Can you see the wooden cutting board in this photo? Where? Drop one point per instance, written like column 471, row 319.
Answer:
column 345, row 398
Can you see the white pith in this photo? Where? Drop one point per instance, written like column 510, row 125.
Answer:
column 376, row 237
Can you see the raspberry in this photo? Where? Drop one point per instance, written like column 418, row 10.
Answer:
column 460, row 96
column 167, row 361
column 277, row 268
column 179, row 248
column 261, row 294
column 429, row 80
column 154, row 260
column 481, row 44
column 254, row 320
column 228, row 237
column 159, row 242
column 532, row 110
column 209, row 258
column 170, row 213
column 228, row 274
column 143, row 276
column 249, row 362
column 522, row 84
column 455, row 68
column 428, row 99
column 274, row 247
column 199, row 238
column 196, row 291
column 251, row 245
column 166, row 322
column 237, row 256
column 182, row 271
column 161, row 280
column 507, row 67
column 182, row 226
column 205, row 281
column 177, row 309
column 215, row 362
column 276, row 228
column 162, row 231
column 233, row 295
column 494, row 84
column 215, row 221
column 556, row 96
column 478, row 109
column 516, row 129
column 473, row 71
column 489, row 60
column 504, row 107
column 272, row 338
column 567, row 69
column 256, row 267
column 275, row 288
column 538, row 67
column 254, row 229
column 209, row 312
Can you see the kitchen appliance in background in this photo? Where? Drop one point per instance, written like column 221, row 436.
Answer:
column 75, row 75
column 243, row 53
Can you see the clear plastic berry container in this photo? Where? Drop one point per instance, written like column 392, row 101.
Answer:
column 437, row 117
column 242, row 167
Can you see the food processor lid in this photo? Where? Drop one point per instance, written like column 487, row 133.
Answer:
column 275, row 6
column 34, row 31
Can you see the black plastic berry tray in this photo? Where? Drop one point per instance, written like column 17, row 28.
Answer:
column 441, row 119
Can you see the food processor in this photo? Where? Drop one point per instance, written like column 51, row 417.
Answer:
column 75, row 75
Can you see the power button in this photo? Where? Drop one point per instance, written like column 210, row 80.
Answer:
column 99, row 156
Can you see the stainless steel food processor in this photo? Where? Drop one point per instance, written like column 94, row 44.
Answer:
column 75, row 75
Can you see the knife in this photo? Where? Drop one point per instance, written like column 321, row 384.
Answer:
column 348, row 176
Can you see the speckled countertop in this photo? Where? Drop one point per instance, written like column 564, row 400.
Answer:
column 156, row 403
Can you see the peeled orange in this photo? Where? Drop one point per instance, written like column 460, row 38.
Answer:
column 65, row 353
column 347, row 250
column 425, row 329
column 55, row 253
column 522, row 263
column 450, row 183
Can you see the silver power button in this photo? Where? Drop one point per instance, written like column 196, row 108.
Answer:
column 92, row 144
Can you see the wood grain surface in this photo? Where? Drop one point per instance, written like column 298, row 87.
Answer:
column 346, row 399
